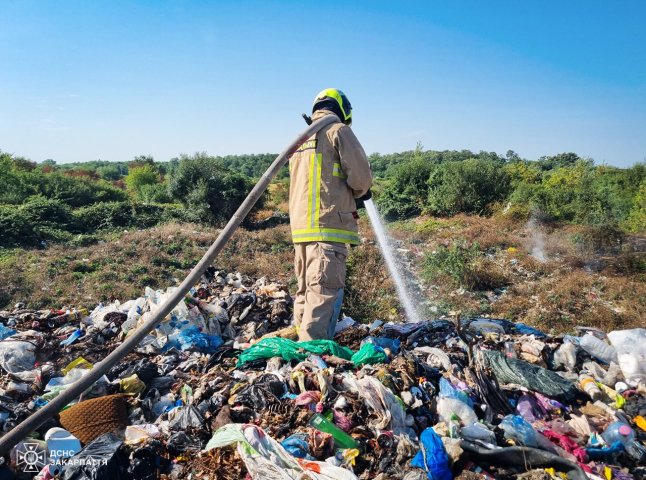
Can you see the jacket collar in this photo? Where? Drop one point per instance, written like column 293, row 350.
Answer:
column 322, row 113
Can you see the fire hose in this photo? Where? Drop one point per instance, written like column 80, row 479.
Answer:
column 34, row 421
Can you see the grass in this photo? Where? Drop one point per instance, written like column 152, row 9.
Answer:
column 484, row 268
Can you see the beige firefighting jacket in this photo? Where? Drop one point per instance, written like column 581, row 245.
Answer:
column 327, row 173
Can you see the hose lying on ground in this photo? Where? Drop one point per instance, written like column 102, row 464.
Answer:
column 34, row 421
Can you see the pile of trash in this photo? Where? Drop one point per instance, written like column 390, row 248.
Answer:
column 222, row 389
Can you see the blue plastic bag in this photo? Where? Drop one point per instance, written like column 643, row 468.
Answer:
column 6, row 332
column 447, row 390
column 193, row 339
column 432, row 457
column 518, row 429
column 393, row 344
column 297, row 446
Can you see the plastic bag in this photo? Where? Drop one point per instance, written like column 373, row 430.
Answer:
column 290, row 350
column 432, row 457
column 631, row 352
column 369, row 354
column 192, row 339
column 447, row 390
column 100, row 459
column 266, row 459
column 5, row 332
column 297, row 446
column 381, row 402
column 187, row 417
column 179, row 443
column 140, row 433
column 393, row 344
column 538, row 379
column 131, row 385
column 448, row 407
column 516, row 428
column 16, row 356
column 565, row 356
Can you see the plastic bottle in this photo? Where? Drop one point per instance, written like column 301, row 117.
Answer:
column 619, row 431
column 477, row 431
column 598, row 349
column 622, row 432
column 589, row 386
column 341, row 439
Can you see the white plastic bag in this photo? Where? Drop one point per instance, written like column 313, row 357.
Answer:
column 266, row 459
column 631, row 352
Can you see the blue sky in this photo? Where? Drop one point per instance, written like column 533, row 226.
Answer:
column 114, row 79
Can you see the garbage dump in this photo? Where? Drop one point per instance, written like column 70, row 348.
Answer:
column 222, row 389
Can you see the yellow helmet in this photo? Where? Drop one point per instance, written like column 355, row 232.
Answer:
column 334, row 100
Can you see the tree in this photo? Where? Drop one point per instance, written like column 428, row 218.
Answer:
column 207, row 188
column 138, row 177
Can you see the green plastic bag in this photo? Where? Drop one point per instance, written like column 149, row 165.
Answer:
column 369, row 354
column 291, row 350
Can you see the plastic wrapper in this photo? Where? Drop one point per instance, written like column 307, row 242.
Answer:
column 432, row 457
column 369, row 354
column 538, row 379
column 630, row 346
column 266, row 459
column 100, row 459
column 290, row 350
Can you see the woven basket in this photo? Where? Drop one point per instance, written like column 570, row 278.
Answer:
column 92, row 418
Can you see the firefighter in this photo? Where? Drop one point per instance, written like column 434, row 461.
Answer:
column 328, row 173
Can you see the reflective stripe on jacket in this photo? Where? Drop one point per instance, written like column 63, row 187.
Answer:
column 327, row 173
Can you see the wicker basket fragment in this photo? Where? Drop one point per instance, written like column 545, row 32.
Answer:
column 91, row 418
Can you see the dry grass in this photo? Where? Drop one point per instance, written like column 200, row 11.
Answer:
column 370, row 292
column 507, row 281
column 553, row 295
column 120, row 268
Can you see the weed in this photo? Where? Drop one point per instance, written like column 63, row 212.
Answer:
column 455, row 262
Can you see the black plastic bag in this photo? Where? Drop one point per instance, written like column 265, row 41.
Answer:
column 179, row 443
column 189, row 418
column 100, row 459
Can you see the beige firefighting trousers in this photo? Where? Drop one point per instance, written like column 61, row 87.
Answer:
column 320, row 270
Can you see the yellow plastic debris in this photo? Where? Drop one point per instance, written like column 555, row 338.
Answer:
column 132, row 385
column 640, row 422
column 78, row 363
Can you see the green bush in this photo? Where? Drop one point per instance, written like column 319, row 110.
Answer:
column 154, row 193
column 38, row 220
column 636, row 219
column 406, row 193
column 469, row 186
column 207, row 188
column 116, row 215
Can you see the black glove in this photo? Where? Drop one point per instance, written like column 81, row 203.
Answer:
column 360, row 201
column 367, row 196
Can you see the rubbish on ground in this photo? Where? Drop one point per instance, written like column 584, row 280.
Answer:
column 222, row 390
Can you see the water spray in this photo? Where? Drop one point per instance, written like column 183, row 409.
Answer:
column 385, row 245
